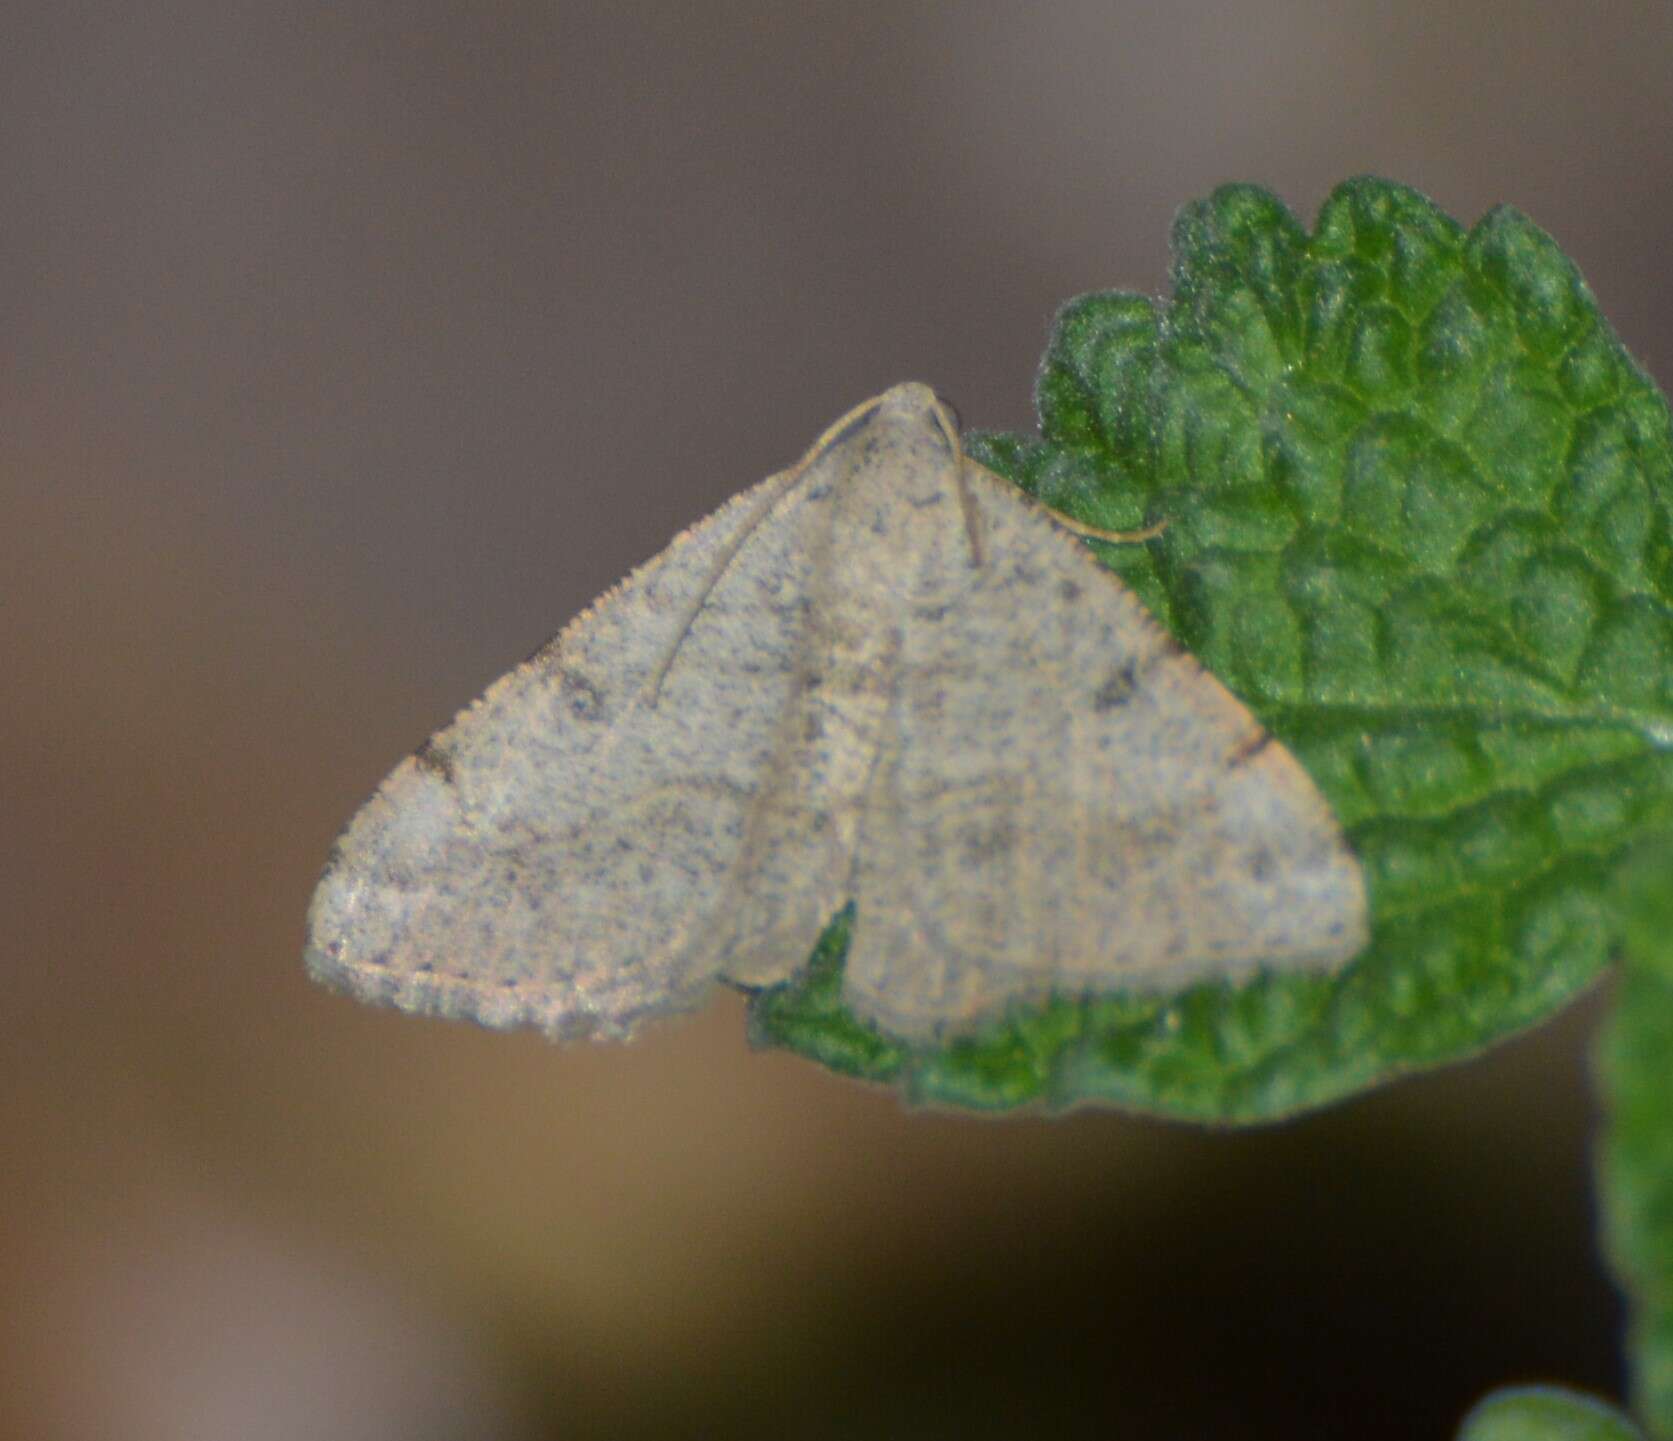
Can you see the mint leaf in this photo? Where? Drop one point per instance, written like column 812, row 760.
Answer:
column 1545, row 1413
column 1417, row 503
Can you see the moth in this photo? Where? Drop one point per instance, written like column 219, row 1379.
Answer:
column 882, row 677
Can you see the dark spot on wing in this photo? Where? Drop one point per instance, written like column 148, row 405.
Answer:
column 1246, row 750
column 1069, row 590
column 989, row 842
column 1118, row 689
column 436, row 759
column 583, row 698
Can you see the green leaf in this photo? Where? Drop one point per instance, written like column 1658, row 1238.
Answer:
column 1545, row 1413
column 1417, row 504
column 1636, row 1161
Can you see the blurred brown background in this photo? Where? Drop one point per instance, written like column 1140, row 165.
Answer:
column 344, row 353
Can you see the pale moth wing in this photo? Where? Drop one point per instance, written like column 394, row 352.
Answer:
column 885, row 677
column 549, row 858
column 1067, row 801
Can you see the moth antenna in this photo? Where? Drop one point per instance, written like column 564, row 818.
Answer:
column 1113, row 537
column 723, row 562
column 967, row 502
